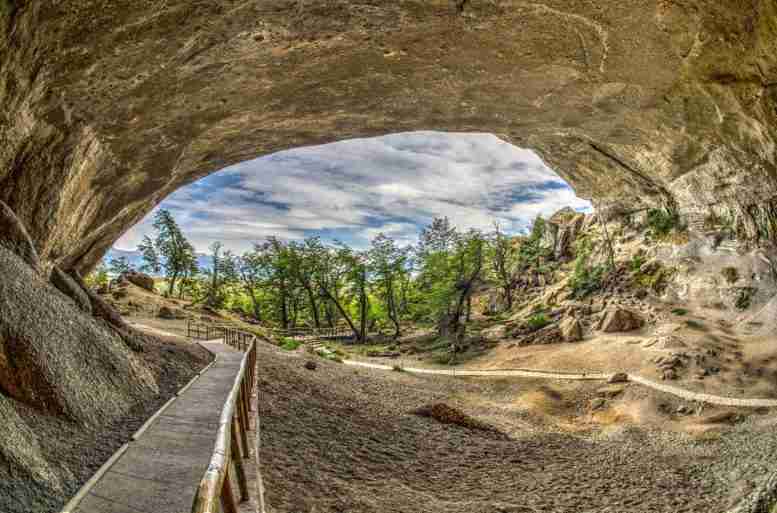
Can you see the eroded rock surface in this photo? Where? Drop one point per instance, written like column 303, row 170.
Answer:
column 109, row 107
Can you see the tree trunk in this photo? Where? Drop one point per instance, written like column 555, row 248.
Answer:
column 254, row 303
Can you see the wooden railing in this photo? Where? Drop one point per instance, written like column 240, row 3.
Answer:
column 216, row 493
column 300, row 333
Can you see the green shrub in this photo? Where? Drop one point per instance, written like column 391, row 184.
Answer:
column 289, row 344
column 397, row 368
column 730, row 273
column 679, row 311
column 662, row 222
column 586, row 278
column 537, row 321
column 636, row 262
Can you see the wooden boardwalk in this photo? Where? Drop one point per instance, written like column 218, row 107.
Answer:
column 160, row 471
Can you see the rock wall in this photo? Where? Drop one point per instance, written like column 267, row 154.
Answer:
column 108, row 106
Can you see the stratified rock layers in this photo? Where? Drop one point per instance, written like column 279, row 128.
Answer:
column 110, row 106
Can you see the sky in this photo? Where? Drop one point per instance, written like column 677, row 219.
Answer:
column 355, row 189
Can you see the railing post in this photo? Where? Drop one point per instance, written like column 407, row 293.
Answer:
column 236, row 459
column 227, row 497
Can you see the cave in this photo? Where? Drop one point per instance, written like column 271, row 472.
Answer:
column 107, row 109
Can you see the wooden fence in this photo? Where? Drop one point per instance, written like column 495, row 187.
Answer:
column 313, row 333
column 215, row 493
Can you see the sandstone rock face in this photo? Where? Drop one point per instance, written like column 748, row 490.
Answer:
column 635, row 103
column 619, row 319
column 571, row 330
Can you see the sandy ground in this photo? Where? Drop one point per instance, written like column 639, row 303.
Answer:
column 343, row 439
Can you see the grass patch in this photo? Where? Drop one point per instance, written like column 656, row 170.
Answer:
column 636, row 262
column 680, row 311
column 662, row 222
column 537, row 321
column 289, row 344
column 397, row 368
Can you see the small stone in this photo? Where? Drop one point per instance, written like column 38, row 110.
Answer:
column 311, row 365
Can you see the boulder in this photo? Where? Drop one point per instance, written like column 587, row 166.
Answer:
column 165, row 312
column 571, row 330
column 619, row 319
column 71, row 289
column 142, row 280
column 14, row 237
column 618, row 377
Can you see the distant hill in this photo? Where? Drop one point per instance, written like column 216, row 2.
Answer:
column 135, row 259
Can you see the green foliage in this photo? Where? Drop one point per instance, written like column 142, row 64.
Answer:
column 586, row 278
column 636, row 262
column 397, row 368
column 537, row 321
column 679, row 311
column 662, row 222
column 119, row 266
column 98, row 277
column 290, row 344
column 174, row 252
column 730, row 274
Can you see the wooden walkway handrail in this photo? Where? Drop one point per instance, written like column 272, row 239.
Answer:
column 215, row 492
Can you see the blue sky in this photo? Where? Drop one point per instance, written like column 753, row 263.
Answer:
column 352, row 190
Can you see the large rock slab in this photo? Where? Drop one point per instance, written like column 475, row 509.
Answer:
column 635, row 103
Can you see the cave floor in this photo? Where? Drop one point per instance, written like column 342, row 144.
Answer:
column 344, row 439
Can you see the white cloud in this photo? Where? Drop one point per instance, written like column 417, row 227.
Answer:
column 355, row 189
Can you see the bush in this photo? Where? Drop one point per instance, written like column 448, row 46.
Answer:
column 537, row 321
column 662, row 222
column 397, row 368
column 289, row 344
column 586, row 278
column 679, row 311
column 636, row 262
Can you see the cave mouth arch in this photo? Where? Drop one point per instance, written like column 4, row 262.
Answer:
column 353, row 189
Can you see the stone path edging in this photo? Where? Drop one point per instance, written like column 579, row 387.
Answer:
column 601, row 376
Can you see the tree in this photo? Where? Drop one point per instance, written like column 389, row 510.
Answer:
column 303, row 258
column 256, row 270
column 222, row 274
column 505, row 259
column 120, row 265
column 177, row 254
column 388, row 264
column 151, row 261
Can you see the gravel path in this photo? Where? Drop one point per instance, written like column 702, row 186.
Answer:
column 341, row 439
column 526, row 373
